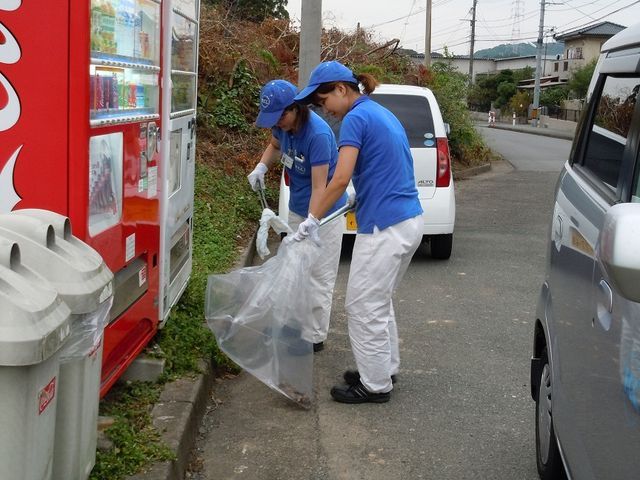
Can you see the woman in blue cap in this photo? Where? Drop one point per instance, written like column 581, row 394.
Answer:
column 375, row 154
column 306, row 147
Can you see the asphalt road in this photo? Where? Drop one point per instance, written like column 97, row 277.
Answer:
column 461, row 408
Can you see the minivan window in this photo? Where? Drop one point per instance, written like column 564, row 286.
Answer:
column 607, row 140
column 414, row 114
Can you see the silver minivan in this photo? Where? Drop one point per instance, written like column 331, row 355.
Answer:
column 585, row 368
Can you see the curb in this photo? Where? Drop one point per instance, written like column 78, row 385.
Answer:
column 537, row 131
column 183, row 402
column 470, row 172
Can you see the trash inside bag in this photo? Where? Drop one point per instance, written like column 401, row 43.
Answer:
column 269, row 219
column 261, row 315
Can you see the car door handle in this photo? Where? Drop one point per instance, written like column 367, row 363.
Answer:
column 604, row 305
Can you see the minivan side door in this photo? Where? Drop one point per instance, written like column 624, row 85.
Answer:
column 596, row 420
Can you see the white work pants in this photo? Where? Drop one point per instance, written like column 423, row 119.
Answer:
column 323, row 274
column 378, row 263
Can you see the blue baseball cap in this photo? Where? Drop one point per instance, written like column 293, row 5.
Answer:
column 275, row 96
column 326, row 72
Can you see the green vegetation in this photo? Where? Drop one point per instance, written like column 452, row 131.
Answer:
column 135, row 441
column 450, row 87
column 579, row 82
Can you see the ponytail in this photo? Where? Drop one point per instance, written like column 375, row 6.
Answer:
column 368, row 81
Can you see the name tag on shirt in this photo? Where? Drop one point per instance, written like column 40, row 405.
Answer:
column 286, row 160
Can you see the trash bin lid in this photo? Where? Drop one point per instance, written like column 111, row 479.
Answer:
column 34, row 321
column 76, row 271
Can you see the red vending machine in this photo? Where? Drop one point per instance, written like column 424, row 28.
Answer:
column 79, row 124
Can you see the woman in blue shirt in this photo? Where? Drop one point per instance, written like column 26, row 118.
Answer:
column 306, row 146
column 375, row 155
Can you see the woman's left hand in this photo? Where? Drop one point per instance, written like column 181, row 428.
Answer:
column 308, row 228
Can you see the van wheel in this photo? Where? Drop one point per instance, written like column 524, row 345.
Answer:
column 547, row 453
column 441, row 246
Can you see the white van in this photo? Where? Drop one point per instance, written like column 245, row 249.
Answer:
column 419, row 113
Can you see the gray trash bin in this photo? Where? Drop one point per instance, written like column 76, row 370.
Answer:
column 34, row 324
column 83, row 281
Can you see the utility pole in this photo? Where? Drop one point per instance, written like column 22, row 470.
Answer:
column 536, row 85
column 473, row 40
column 427, row 36
column 310, row 35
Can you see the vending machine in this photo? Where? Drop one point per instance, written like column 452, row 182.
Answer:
column 80, row 118
column 179, row 80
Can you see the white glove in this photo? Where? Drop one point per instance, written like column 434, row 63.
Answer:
column 256, row 178
column 351, row 201
column 308, row 228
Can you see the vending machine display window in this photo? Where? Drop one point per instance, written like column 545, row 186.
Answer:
column 117, row 92
column 186, row 7
column 175, row 149
column 105, row 181
column 183, row 44
column 126, row 31
column 182, row 95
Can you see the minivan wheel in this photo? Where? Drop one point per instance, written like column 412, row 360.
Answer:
column 547, row 453
column 441, row 246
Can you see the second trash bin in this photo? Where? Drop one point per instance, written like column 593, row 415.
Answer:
column 84, row 283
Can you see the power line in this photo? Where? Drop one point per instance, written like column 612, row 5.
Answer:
column 600, row 18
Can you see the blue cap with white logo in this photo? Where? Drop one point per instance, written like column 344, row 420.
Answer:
column 326, row 72
column 275, row 96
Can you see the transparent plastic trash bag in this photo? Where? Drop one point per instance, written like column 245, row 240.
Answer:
column 86, row 333
column 261, row 318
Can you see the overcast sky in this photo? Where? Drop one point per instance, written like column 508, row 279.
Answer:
column 450, row 23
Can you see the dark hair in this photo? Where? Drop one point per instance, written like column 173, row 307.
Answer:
column 302, row 114
column 368, row 81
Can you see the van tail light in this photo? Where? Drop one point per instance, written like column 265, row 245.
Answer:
column 286, row 178
column 443, row 178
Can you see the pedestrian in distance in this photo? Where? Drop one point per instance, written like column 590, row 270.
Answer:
column 375, row 155
column 306, row 147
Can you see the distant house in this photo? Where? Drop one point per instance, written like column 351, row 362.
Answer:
column 489, row 65
column 581, row 46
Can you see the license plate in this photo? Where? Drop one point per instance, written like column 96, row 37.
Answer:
column 351, row 221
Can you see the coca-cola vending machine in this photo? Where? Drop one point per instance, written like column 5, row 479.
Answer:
column 180, row 60
column 80, row 117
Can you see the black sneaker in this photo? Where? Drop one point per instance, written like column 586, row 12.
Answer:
column 318, row 347
column 351, row 377
column 358, row 394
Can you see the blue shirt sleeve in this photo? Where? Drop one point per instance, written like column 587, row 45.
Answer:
column 320, row 150
column 352, row 131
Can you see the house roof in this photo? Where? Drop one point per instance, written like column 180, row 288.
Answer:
column 602, row 29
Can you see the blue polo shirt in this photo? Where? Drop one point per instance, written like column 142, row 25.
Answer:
column 383, row 176
column 314, row 144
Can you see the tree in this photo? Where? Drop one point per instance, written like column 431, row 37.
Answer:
column 553, row 97
column 254, row 10
column 506, row 90
column 580, row 79
column 519, row 103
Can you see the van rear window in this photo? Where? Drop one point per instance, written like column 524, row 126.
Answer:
column 414, row 114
